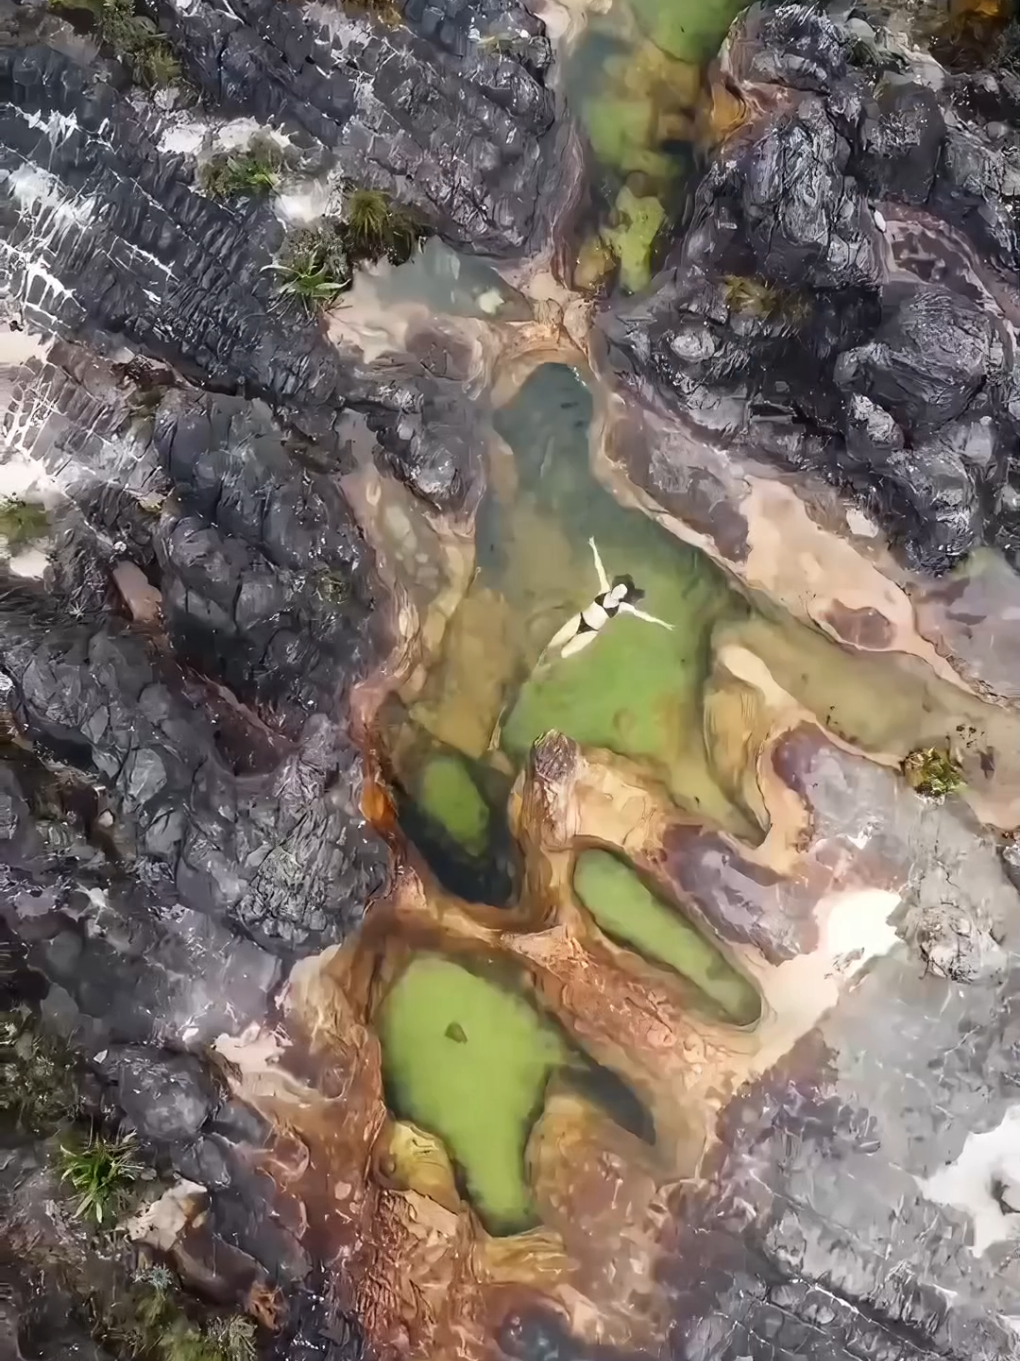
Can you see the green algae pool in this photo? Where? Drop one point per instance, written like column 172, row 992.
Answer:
column 637, row 688
column 630, row 913
column 468, row 1060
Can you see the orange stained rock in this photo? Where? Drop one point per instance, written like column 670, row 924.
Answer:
column 719, row 113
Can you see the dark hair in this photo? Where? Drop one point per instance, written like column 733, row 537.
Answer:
column 633, row 592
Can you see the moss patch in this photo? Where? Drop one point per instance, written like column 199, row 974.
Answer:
column 37, row 1086
column 637, row 224
column 447, row 793
column 132, row 38
column 256, row 170
column 22, row 522
column 933, row 772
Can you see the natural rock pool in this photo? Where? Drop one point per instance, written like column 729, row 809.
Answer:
column 509, row 655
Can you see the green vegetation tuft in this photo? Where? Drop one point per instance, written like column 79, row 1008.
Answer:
column 314, row 266
column 256, row 170
column 150, row 1324
column 375, row 227
column 756, row 298
column 37, row 1087
column 315, row 263
column 132, row 37
column 384, row 10
column 331, row 587
column 933, row 772
column 22, row 522
column 100, row 1172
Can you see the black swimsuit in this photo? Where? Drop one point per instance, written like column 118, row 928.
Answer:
column 608, row 607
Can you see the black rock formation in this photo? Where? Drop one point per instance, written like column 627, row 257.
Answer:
column 845, row 299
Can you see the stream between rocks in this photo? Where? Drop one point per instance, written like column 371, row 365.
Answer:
column 463, row 997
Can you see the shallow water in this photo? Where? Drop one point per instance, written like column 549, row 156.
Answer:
column 632, row 914
column 636, row 689
column 467, row 1058
column 636, row 80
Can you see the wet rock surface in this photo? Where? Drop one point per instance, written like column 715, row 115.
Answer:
column 845, row 300
column 181, row 789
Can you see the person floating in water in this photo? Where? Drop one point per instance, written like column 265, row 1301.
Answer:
column 613, row 598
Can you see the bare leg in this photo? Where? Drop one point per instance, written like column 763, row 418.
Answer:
column 625, row 608
column 563, row 636
column 578, row 644
column 603, row 579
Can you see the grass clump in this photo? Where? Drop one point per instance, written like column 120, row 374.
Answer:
column 375, row 226
column 22, row 522
column 133, row 38
column 150, row 1324
column 314, row 267
column 100, row 1172
column 256, row 170
column 933, row 772
column 37, row 1087
column 755, row 298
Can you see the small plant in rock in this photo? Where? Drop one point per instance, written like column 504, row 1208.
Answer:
column 498, row 44
column 233, row 1337
column 314, row 266
column 37, row 1086
column 933, row 772
column 253, row 171
column 384, row 10
column 375, row 226
column 150, row 1323
column 331, row 587
column 134, row 39
column 22, row 522
column 755, row 298
column 100, row 1172
column 368, row 213
column 307, row 278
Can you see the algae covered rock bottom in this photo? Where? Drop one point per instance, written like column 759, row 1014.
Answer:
column 637, row 688
column 447, row 793
column 629, row 912
column 468, row 1060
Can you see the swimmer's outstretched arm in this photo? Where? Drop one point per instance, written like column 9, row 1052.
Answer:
column 603, row 579
column 626, row 608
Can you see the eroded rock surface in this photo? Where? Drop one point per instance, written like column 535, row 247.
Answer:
column 182, row 797
column 845, row 300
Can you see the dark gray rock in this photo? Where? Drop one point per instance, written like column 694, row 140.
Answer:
column 790, row 45
column 267, row 583
column 148, row 263
column 899, row 142
column 806, row 220
column 284, row 854
column 807, row 326
column 927, row 360
column 464, row 133
column 166, row 1096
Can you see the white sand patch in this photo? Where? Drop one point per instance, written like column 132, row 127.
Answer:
column 988, row 1159
column 17, row 347
column 30, row 564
